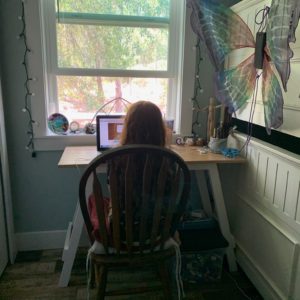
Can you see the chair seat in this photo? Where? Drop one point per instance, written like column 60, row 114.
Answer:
column 98, row 255
column 136, row 259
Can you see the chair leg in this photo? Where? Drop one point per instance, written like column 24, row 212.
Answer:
column 165, row 279
column 92, row 274
column 96, row 275
column 101, row 280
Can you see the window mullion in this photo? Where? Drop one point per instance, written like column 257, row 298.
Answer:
column 111, row 73
column 112, row 20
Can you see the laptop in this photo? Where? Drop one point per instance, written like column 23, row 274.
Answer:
column 108, row 131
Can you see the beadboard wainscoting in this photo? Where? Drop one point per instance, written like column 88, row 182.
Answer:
column 263, row 203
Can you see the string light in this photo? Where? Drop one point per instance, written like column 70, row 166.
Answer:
column 198, row 90
column 29, row 94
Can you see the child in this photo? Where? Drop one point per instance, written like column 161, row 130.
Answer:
column 144, row 125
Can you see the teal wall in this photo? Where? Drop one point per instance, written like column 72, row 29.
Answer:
column 44, row 196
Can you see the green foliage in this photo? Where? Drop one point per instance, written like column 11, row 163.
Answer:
column 159, row 8
column 102, row 46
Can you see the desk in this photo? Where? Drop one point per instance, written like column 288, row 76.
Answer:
column 83, row 155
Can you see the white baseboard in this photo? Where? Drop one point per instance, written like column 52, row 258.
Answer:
column 43, row 240
column 262, row 283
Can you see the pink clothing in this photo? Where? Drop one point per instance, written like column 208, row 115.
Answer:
column 93, row 215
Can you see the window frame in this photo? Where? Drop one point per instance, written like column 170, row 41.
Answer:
column 42, row 66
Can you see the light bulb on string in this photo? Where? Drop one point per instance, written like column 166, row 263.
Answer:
column 198, row 91
column 27, row 109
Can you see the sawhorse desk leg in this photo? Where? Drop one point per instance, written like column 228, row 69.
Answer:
column 219, row 205
column 203, row 190
column 70, row 247
column 222, row 214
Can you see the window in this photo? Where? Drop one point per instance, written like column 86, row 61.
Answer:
column 96, row 51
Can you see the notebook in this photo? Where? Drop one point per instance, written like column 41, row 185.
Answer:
column 108, row 131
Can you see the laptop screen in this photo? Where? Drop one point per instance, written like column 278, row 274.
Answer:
column 108, row 131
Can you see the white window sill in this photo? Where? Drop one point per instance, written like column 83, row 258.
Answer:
column 59, row 142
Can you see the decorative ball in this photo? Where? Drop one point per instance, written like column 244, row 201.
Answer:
column 58, row 123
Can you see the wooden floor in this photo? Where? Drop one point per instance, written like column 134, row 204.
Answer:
column 35, row 276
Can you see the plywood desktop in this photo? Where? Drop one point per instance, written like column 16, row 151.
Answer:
column 82, row 155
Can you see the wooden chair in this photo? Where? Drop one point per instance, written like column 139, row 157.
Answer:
column 149, row 188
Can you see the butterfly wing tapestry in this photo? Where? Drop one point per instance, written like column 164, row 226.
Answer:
column 223, row 31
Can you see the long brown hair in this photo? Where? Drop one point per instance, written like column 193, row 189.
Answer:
column 143, row 125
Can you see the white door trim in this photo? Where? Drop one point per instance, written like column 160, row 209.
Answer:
column 7, row 201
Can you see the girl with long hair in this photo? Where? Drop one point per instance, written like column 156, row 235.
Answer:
column 144, row 125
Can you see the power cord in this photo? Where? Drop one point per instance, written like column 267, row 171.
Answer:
column 238, row 287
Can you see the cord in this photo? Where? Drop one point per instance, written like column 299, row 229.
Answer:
column 263, row 22
column 124, row 101
column 238, row 287
column 197, row 89
column 252, row 110
column 27, row 109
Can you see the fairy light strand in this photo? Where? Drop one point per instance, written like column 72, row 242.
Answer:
column 197, row 91
column 29, row 94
